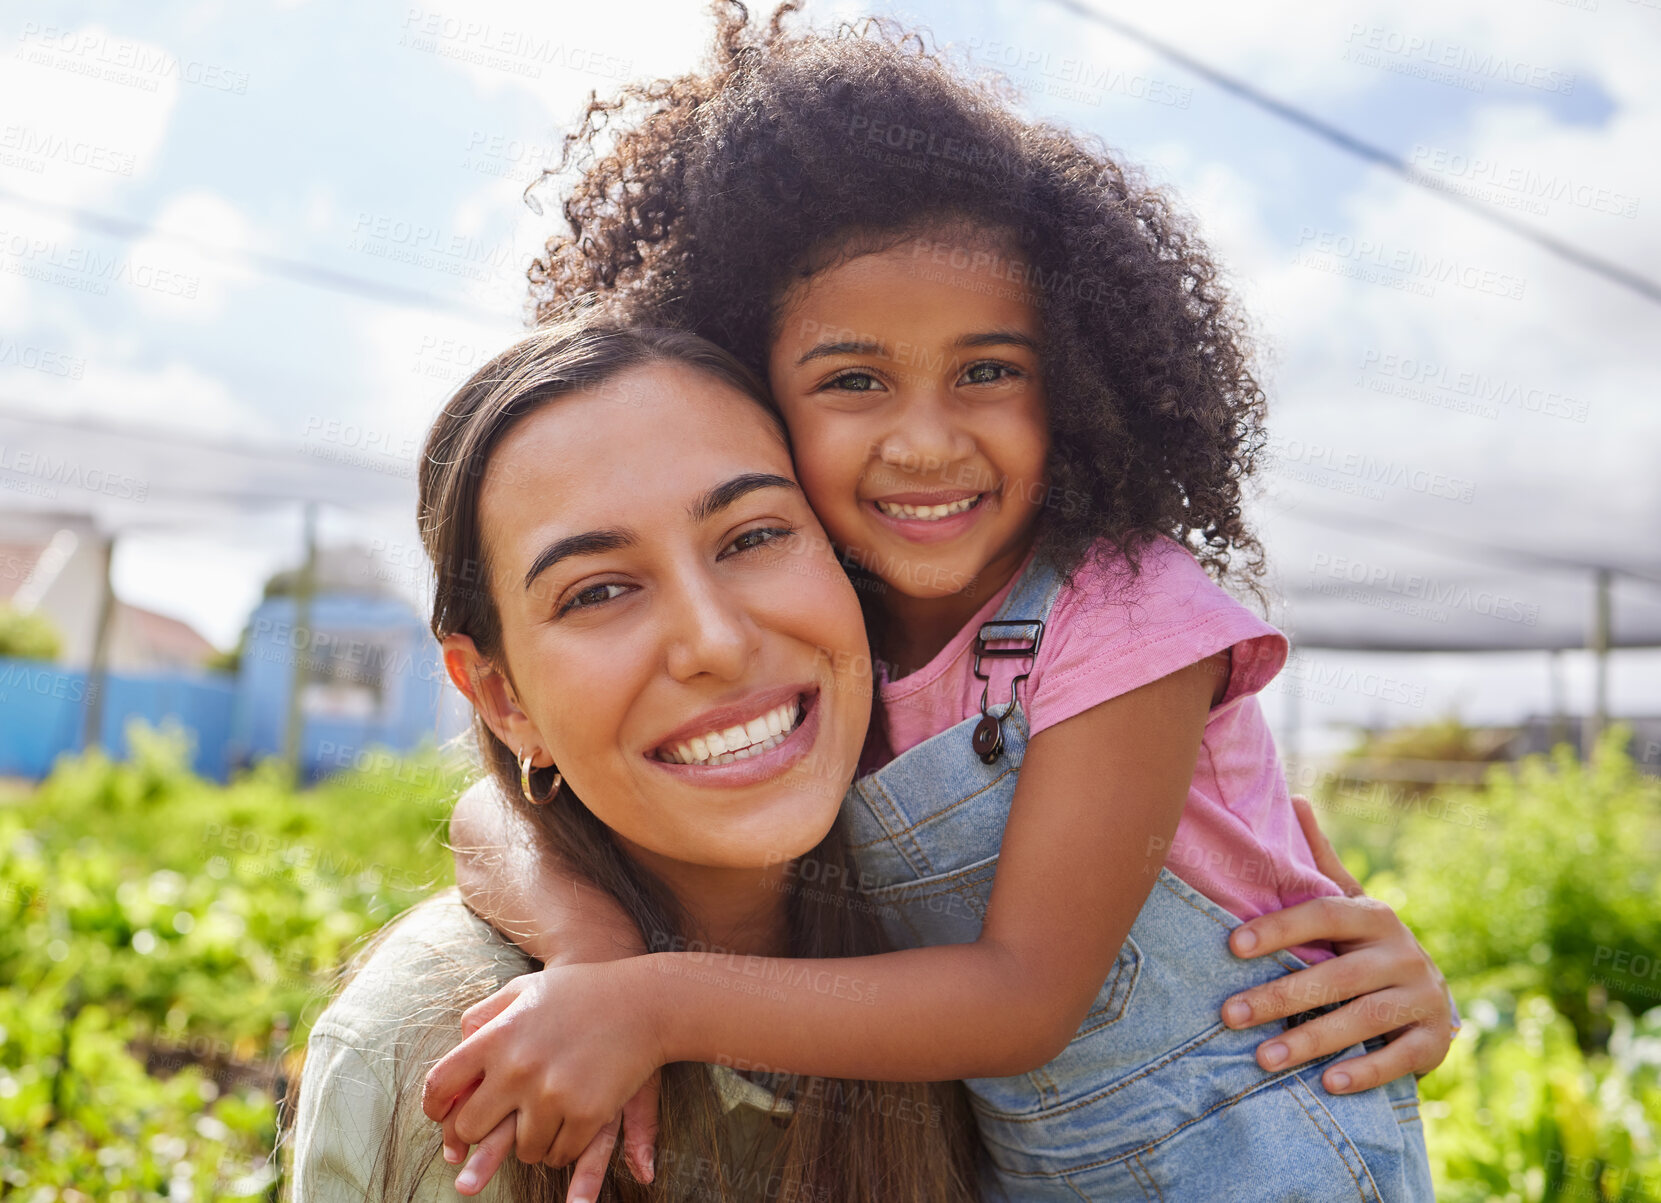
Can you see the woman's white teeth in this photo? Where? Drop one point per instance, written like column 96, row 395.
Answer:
column 761, row 734
column 927, row 513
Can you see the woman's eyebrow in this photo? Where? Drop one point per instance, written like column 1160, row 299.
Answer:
column 710, row 503
column 729, row 491
column 589, row 543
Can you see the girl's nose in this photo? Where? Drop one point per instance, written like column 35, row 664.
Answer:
column 709, row 631
column 925, row 437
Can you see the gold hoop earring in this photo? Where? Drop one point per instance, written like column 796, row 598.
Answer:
column 525, row 783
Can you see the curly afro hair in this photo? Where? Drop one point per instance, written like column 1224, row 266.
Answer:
column 698, row 200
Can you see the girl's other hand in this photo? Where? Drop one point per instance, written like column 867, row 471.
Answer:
column 1389, row 986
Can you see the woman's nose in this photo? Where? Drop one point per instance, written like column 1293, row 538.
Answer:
column 710, row 631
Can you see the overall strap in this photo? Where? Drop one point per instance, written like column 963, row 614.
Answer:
column 1014, row 633
column 1034, row 594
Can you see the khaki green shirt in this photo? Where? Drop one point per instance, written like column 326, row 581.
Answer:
column 373, row 1046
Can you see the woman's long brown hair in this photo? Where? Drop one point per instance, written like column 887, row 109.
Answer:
column 846, row 1141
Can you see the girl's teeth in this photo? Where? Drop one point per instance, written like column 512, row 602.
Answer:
column 927, row 513
column 761, row 734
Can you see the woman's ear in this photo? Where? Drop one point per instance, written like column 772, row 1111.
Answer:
column 491, row 694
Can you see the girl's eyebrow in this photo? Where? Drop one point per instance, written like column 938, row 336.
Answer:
column 711, row 502
column 987, row 338
column 856, row 347
column 995, row 338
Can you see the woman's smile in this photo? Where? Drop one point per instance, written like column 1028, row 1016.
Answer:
column 765, row 747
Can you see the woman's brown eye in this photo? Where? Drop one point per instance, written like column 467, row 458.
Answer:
column 760, row 537
column 593, row 595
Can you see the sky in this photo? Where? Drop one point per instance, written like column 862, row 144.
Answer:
column 291, row 228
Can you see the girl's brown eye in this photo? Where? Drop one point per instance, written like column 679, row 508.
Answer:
column 987, row 373
column 854, row 382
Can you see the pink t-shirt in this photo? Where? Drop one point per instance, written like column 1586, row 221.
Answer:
column 1238, row 842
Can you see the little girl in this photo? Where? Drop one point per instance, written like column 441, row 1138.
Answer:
column 1022, row 409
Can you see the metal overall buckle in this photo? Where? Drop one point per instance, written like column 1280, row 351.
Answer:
column 1027, row 633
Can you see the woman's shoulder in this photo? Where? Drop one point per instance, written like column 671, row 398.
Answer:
column 399, row 1008
column 427, row 957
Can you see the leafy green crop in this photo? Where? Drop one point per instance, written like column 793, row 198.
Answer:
column 165, row 943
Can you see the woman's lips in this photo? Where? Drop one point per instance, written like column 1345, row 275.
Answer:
column 760, row 767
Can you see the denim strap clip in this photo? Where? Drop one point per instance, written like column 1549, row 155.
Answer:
column 1026, row 634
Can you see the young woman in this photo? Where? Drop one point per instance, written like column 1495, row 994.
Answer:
column 655, row 450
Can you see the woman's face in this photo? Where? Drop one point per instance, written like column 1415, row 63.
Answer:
column 682, row 642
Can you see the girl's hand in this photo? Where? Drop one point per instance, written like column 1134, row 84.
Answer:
column 638, row 1121
column 563, row 1048
column 1388, row 983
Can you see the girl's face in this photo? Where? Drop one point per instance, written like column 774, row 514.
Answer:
column 910, row 381
column 681, row 641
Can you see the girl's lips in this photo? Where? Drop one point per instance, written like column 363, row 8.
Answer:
column 754, row 770
column 929, row 530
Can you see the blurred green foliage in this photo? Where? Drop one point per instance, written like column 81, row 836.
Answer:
column 28, row 635
column 1539, row 895
column 165, row 943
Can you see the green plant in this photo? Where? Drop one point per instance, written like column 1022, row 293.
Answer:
column 28, row 635
column 165, row 943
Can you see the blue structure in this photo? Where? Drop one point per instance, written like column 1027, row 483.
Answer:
column 373, row 679
column 373, row 676
column 43, row 712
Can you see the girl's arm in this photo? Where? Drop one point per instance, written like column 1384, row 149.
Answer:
column 510, row 878
column 1080, row 852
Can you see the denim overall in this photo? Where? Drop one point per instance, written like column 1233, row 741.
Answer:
column 1154, row 1098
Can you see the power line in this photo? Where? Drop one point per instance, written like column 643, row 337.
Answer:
column 293, row 270
column 1350, row 144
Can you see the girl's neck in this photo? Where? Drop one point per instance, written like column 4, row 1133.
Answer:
column 915, row 629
